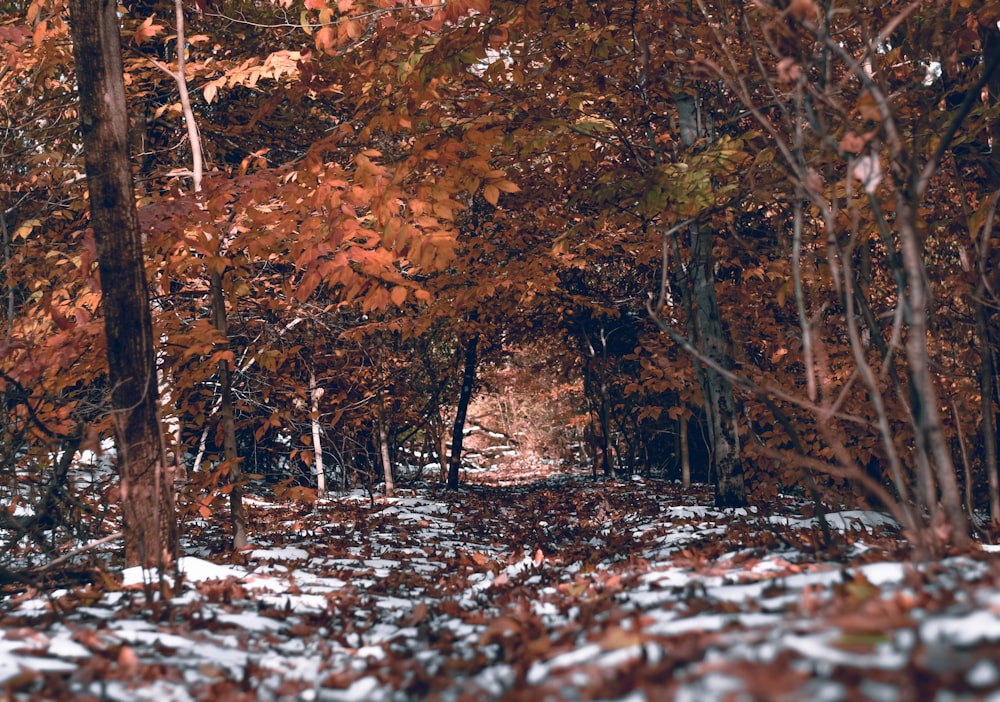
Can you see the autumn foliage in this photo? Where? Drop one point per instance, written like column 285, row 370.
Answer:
column 677, row 232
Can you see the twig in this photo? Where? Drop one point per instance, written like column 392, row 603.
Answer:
column 75, row 552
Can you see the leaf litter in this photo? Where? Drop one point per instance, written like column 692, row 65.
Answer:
column 562, row 589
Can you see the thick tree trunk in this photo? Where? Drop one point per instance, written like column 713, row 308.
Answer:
column 227, row 415
column 721, row 411
column 720, row 403
column 150, row 522
column 458, row 431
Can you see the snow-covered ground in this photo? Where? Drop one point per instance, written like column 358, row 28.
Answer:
column 565, row 589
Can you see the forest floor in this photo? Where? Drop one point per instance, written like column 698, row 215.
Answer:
column 564, row 588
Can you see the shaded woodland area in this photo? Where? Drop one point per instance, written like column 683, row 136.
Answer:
column 747, row 244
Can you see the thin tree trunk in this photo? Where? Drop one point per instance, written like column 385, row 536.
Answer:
column 315, row 393
column 685, row 452
column 383, row 435
column 226, row 402
column 931, row 451
column 604, row 415
column 227, row 414
column 9, row 293
column 590, row 433
column 150, row 521
column 458, row 431
column 596, row 382
column 987, row 373
column 383, row 444
column 991, row 420
column 442, row 439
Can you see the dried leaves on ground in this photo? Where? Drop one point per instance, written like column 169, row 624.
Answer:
column 565, row 589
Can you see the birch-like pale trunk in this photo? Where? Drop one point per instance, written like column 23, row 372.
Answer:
column 315, row 393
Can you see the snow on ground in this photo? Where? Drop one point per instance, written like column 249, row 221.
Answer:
column 565, row 589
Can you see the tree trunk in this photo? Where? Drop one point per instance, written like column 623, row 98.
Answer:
column 441, row 435
column 8, row 284
column 988, row 370
column 720, row 403
column 987, row 375
column 721, row 411
column 931, row 451
column 227, row 415
column 685, row 452
column 383, row 445
column 383, row 435
column 150, row 521
column 315, row 394
column 604, row 416
column 595, row 383
column 458, row 431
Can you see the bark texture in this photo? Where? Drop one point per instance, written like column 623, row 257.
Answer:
column 721, row 411
column 150, row 522
column 931, row 452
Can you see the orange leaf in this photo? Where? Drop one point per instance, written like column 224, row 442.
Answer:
column 40, row 31
column 398, row 295
column 492, row 194
column 326, row 39
column 146, row 30
column 506, row 186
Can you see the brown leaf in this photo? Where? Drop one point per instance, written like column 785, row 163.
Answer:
column 417, row 616
column 492, row 194
column 147, row 30
column 128, row 662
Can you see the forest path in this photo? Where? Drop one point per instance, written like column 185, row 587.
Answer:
column 566, row 587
